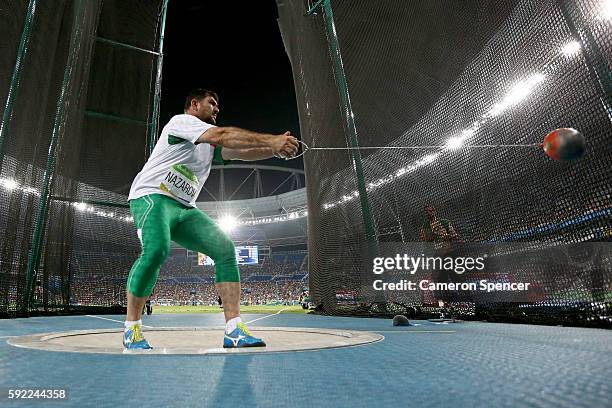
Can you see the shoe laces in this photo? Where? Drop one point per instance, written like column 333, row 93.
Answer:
column 243, row 327
column 136, row 333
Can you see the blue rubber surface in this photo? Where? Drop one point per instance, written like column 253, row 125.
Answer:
column 477, row 365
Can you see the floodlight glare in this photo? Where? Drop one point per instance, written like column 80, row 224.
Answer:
column 227, row 223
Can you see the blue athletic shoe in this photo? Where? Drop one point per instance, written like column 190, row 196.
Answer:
column 241, row 337
column 134, row 340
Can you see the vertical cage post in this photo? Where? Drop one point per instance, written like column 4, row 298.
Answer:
column 154, row 121
column 349, row 117
column 34, row 254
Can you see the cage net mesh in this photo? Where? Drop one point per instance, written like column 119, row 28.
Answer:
column 482, row 72
column 76, row 94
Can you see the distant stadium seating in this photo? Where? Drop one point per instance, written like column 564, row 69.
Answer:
column 258, row 278
column 279, row 279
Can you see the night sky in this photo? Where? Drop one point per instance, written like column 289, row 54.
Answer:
column 234, row 48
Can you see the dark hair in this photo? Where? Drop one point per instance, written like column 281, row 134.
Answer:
column 199, row 94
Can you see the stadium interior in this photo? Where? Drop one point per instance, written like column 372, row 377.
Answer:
column 437, row 129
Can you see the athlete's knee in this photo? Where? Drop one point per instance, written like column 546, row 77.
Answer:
column 226, row 266
column 155, row 255
column 227, row 272
column 228, row 248
column 224, row 250
column 142, row 278
column 145, row 271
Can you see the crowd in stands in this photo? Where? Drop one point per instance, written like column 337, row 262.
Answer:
column 279, row 279
column 258, row 293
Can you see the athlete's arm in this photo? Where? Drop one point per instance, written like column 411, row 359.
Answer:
column 236, row 138
column 252, row 154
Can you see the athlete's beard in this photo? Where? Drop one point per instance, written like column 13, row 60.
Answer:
column 208, row 118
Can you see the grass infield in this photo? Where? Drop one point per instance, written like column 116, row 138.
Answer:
column 217, row 309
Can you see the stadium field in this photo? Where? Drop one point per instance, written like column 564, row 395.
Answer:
column 260, row 309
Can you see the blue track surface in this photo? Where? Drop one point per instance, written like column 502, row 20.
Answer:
column 477, row 365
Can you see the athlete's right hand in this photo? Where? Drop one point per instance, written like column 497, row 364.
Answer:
column 285, row 145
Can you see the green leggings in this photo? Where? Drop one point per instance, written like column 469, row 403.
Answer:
column 160, row 219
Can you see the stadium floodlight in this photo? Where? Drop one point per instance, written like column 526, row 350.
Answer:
column 519, row 92
column 428, row 159
column 227, row 223
column 9, row 184
column 469, row 132
column 80, row 206
column 454, row 143
column 606, row 10
column 571, row 49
